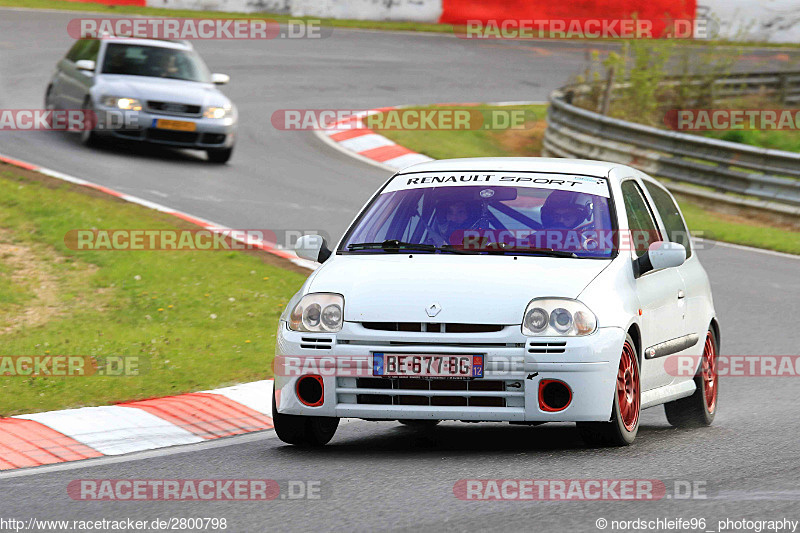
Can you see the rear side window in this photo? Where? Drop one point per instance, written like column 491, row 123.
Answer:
column 640, row 220
column 671, row 215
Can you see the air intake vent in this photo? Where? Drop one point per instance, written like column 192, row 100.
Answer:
column 547, row 347
column 314, row 343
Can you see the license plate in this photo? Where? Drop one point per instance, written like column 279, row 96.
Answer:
column 434, row 366
column 178, row 125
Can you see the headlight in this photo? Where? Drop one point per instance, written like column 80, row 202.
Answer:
column 317, row 313
column 218, row 112
column 557, row 317
column 128, row 104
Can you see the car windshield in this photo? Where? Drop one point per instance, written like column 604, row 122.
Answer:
column 486, row 220
column 154, row 61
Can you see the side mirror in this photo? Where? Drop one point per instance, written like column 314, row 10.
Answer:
column 220, row 79
column 660, row 254
column 85, row 64
column 312, row 248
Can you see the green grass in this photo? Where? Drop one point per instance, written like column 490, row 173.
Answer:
column 481, row 143
column 716, row 228
column 444, row 144
column 156, row 305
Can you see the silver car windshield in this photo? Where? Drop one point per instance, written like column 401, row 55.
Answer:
column 485, row 220
column 154, row 61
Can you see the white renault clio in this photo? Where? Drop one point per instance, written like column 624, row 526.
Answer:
column 524, row 290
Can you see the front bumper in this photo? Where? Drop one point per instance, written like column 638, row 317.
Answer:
column 509, row 391
column 141, row 126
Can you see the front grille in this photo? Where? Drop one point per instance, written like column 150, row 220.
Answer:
column 432, row 328
column 186, row 137
column 173, row 108
column 377, row 396
column 547, row 347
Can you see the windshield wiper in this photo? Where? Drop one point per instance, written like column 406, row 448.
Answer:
column 392, row 245
column 504, row 248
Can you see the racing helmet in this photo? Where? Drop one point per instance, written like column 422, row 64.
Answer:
column 566, row 210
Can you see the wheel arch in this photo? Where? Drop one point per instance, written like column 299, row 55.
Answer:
column 636, row 335
column 714, row 326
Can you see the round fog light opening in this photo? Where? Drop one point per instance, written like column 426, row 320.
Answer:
column 554, row 395
column 310, row 390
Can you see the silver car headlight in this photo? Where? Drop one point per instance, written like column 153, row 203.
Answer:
column 558, row 317
column 121, row 102
column 319, row 312
column 218, row 112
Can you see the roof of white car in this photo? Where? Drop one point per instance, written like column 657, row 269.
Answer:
column 516, row 164
column 143, row 41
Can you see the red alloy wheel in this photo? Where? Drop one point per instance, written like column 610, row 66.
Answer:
column 628, row 393
column 710, row 373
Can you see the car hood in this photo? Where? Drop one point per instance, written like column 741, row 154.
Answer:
column 469, row 289
column 160, row 89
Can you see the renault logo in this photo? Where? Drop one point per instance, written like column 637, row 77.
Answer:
column 433, row 309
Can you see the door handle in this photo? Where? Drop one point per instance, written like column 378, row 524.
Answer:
column 681, row 295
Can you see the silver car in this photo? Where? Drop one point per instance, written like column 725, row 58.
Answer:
column 150, row 90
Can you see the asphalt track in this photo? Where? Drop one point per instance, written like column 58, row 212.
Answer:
column 380, row 476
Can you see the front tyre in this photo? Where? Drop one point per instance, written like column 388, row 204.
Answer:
column 219, row 155
column 699, row 409
column 48, row 99
column 304, row 431
column 621, row 430
column 89, row 136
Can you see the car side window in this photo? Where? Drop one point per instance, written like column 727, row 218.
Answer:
column 640, row 219
column 671, row 215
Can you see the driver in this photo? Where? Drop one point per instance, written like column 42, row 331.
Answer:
column 167, row 65
column 565, row 210
column 452, row 216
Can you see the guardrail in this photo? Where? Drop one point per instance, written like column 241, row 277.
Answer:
column 733, row 171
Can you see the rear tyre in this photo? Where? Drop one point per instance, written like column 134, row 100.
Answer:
column 623, row 427
column 304, row 431
column 420, row 424
column 699, row 409
column 219, row 155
